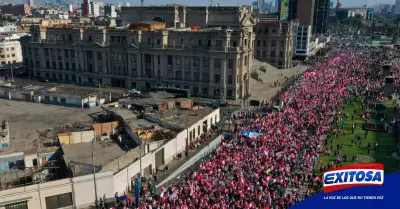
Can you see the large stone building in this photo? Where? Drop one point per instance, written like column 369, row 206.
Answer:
column 207, row 50
column 15, row 9
column 10, row 52
column 274, row 43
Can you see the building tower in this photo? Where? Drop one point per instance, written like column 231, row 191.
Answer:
column 86, row 7
column 30, row 3
column 292, row 13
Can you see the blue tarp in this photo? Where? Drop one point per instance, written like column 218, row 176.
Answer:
column 250, row 134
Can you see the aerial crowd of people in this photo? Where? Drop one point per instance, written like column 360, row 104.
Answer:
column 256, row 172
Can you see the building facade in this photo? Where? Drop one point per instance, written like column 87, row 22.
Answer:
column 16, row 9
column 94, row 9
column 274, row 43
column 212, row 62
column 10, row 52
column 109, row 10
column 301, row 40
column 305, row 12
column 397, row 7
column 321, row 13
column 30, row 3
column 292, row 10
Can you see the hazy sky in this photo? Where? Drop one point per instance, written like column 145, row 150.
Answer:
column 346, row 3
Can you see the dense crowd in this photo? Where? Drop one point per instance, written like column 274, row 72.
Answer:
column 255, row 172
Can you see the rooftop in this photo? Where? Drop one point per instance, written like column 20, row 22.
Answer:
column 151, row 99
column 33, row 86
column 28, row 122
column 74, row 92
column 181, row 117
column 79, row 156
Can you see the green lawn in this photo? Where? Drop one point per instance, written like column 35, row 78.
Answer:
column 386, row 142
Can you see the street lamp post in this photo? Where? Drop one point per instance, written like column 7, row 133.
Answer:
column 187, row 137
column 12, row 74
column 99, row 80
column 94, row 174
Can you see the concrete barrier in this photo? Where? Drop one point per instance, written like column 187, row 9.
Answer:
column 201, row 154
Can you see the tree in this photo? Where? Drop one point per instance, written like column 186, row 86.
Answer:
column 380, row 18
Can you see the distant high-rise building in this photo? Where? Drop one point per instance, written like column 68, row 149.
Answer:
column 292, row 12
column 320, row 23
column 397, row 7
column 30, row 3
column 261, row 6
column 331, row 4
column 305, row 12
column 86, row 8
column 94, row 9
column 276, row 4
column 109, row 10
column 16, row 9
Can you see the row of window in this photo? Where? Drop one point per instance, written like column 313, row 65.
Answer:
column 273, row 43
column 260, row 31
column 9, row 62
column 8, row 55
column 7, row 49
column 148, row 57
column 55, row 99
column 272, row 53
column 122, row 40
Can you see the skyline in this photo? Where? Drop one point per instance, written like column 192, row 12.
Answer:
column 345, row 3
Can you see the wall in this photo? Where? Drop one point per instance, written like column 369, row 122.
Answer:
column 28, row 159
column 82, row 189
column 122, row 179
column 14, row 157
column 4, row 141
column 83, row 136
column 73, row 101
column 35, row 194
column 110, row 127
column 76, row 137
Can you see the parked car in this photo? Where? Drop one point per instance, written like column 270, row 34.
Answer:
column 221, row 103
column 44, row 80
column 134, row 91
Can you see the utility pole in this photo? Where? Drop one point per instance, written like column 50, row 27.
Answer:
column 94, row 174
column 140, row 158
column 99, row 80
column 12, row 74
column 187, row 137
